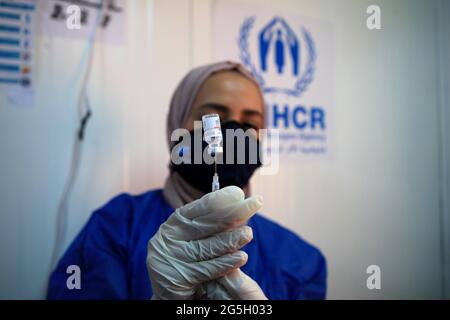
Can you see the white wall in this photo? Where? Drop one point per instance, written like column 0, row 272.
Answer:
column 378, row 202
column 443, row 23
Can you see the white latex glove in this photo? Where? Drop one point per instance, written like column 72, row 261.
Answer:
column 235, row 285
column 241, row 287
column 200, row 242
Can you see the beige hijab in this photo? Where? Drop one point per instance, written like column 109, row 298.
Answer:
column 176, row 190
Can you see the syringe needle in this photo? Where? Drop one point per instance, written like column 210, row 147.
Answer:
column 215, row 184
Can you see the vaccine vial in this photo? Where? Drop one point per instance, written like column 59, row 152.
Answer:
column 212, row 133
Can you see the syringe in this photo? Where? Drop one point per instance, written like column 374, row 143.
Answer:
column 213, row 136
column 215, row 183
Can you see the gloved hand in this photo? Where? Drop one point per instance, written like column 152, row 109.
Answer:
column 235, row 285
column 200, row 242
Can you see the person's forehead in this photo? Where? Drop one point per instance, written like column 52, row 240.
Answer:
column 228, row 86
column 228, row 80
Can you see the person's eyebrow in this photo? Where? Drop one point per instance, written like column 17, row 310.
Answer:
column 214, row 106
column 220, row 108
column 254, row 113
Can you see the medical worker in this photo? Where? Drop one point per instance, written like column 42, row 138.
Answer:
column 185, row 242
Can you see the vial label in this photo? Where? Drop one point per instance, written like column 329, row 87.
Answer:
column 212, row 133
column 211, row 121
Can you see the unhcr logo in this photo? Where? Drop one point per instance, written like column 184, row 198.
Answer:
column 278, row 51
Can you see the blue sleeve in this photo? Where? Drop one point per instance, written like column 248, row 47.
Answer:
column 100, row 251
column 312, row 284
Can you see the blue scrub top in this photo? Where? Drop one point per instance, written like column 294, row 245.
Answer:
column 111, row 252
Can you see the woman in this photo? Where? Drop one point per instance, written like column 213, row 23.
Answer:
column 118, row 261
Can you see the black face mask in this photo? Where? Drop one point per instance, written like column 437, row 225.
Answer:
column 238, row 173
